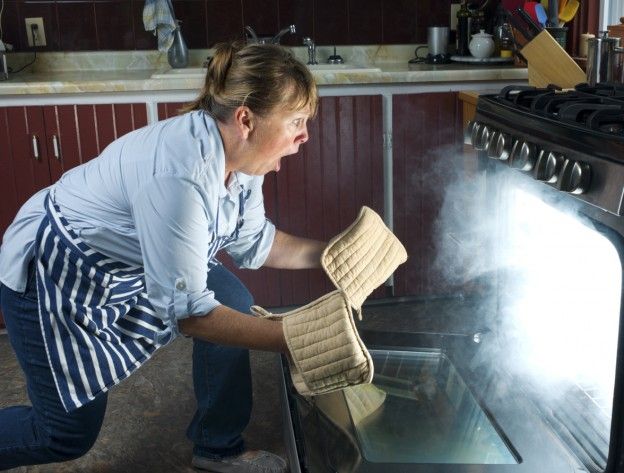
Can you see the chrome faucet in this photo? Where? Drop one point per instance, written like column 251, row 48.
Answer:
column 254, row 38
column 307, row 41
column 289, row 29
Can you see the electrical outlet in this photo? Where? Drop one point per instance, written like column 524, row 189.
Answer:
column 40, row 32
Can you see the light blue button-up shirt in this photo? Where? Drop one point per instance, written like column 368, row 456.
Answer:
column 156, row 198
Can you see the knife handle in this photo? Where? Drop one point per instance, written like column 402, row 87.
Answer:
column 520, row 26
column 531, row 25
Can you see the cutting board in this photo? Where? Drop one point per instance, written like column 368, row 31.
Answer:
column 549, row 63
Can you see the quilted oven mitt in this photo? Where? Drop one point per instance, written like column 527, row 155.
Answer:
column 326, row 352
column 362, row 257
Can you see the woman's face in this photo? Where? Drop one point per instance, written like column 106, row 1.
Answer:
column 273, row 137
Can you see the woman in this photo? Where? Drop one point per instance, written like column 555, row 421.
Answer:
column 118, row 258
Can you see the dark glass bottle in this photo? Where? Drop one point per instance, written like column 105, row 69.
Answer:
column 464, row 29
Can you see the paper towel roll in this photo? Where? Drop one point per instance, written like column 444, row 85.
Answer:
column 583, row 44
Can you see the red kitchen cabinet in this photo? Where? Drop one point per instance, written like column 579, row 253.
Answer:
column 426, row 148
column 169, row 110
column 39, row 143
column 318, row 192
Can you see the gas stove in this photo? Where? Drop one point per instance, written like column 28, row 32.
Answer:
column 571, row 140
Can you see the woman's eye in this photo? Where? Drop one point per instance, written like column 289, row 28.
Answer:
column 298, row 122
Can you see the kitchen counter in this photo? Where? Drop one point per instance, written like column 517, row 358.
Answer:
column 70, row 73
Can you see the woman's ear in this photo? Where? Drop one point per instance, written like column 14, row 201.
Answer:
column 244, row 120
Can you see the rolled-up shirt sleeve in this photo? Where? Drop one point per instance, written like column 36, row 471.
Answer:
column 173, row 228
column 256, row 235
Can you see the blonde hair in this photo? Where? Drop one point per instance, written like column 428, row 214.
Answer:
column 262, row 77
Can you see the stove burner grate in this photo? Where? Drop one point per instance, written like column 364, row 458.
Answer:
column 598, row 108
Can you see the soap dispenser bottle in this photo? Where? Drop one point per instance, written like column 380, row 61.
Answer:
column 178, row 55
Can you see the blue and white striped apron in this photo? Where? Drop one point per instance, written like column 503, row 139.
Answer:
column 97, row 322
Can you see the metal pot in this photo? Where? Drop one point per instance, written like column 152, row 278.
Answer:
column 605, row 59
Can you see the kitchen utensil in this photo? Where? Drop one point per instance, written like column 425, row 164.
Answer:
column 553, row 13
column 569, row 11
column 550, row 64
column 529, row 7
column 562, row 4
column 540, row 13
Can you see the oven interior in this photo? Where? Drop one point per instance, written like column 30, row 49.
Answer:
column 514, row 370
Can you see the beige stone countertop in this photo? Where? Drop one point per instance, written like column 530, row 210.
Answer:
column 94, row 81
column 136, row 71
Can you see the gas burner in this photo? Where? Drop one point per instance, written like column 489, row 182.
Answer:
column 603, row 89
column 599, row 108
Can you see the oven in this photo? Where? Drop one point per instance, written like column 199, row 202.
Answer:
column 519, row 369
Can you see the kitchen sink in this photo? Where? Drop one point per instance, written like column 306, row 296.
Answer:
column 342, row 68
column 183, row 73
column 200, row 72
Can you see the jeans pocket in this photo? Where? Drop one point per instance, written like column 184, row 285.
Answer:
column 30, row 293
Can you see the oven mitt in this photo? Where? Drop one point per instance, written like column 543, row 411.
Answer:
column 326, row 352
column 362, row 257
column 363, row 400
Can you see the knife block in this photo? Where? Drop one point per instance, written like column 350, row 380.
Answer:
column 549, row 63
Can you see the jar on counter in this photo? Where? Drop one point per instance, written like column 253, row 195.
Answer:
column 481, row 45
column 503, row 39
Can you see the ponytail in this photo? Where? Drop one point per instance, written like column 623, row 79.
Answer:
column 260, row 76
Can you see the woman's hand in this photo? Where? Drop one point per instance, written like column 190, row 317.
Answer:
column 291, row 252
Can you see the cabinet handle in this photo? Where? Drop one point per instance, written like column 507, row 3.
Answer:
column 55, row 145
column 35, row 145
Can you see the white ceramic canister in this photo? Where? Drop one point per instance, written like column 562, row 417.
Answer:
column 481, row 45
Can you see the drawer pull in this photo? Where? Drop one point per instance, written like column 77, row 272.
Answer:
column 35, row 145
column 55, row 145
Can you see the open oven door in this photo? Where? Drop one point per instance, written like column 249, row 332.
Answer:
column 519, row 371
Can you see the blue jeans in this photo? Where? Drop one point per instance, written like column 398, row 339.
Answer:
column 45, row 433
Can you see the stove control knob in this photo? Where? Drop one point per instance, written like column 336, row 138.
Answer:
column 500, row 146
column 481, row 138
column 523, row 155
column 468, row 132
column 548, row 166
column 474, row 132
column 490, row 143
column 575, row 177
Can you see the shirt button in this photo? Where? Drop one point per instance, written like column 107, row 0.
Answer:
column 180, row 285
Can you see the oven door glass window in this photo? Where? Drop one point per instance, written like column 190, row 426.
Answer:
column 559, row 319
column 424, row 413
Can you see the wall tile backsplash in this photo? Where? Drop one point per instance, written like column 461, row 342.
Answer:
column 85, row 25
